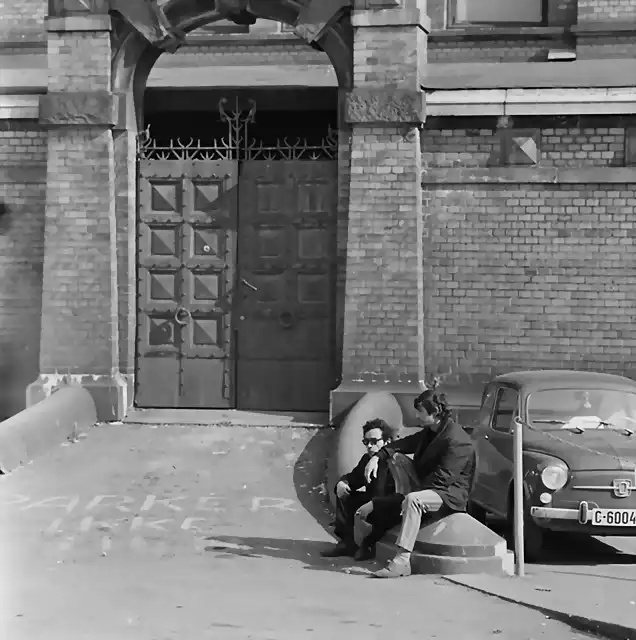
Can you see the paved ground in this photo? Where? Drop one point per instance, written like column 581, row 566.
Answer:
column 190, row 532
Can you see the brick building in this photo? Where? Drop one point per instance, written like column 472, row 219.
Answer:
column 457, row 197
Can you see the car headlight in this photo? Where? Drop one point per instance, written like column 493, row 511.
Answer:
column 554, row 476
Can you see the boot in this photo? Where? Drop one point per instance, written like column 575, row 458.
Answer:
column 365, row 552
column 341, row 550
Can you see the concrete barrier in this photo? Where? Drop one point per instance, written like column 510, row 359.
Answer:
column 41, row 427
column 454, row 544
column 348, row 447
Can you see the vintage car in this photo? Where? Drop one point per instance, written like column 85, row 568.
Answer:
column 579, row 453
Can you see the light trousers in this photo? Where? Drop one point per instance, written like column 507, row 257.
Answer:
column 415, row 505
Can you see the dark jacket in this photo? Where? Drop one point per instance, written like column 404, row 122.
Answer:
column 444, row 461
column 396, row 475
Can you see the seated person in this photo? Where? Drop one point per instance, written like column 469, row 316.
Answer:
column 444, row 461
column 393, row 474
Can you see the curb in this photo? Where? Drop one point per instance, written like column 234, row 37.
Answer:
column 45, row 425
column 609, row 630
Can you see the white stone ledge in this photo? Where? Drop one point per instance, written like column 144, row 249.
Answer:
column 14, row 107
column 516, row 102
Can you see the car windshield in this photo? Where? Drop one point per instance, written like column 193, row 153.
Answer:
column 582, row 409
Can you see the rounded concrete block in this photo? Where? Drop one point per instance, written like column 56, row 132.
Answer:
column 452, row 544
column 348, row 447
column 39, row 428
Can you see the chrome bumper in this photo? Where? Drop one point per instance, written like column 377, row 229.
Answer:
column 552, row 513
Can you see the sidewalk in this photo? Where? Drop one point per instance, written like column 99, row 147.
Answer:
column 163, row 533
column 588, row 599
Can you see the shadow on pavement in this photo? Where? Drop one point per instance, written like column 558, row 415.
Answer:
column 584, row 551
column 564, row 549
column 305, row 551
column 310, row 472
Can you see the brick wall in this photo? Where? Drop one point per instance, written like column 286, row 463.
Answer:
column 22, row 196
column 22, row 18
column 589, row 48
column 489, row 51
column 528, row 275
column 602, row 10
column 559, row 146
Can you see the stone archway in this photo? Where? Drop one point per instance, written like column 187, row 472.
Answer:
column 105, row 50
column 134, row 56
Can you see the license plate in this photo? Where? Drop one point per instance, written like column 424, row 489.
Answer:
column 613, row 517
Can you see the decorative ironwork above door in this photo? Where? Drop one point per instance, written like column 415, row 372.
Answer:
column 238, row 144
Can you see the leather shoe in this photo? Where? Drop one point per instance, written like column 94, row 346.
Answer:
column 394, row 570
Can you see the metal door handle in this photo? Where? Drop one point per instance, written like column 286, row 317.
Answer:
column 181, row 312
column 249, row 284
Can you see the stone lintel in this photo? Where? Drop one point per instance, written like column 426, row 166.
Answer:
column 79, row 23
column 403, row 17
column 524, row 175
column 385, row 105
column 79, row 109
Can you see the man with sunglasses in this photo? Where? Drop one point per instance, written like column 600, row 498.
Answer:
column 359, row 502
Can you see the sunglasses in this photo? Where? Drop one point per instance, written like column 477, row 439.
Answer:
column 368, row 441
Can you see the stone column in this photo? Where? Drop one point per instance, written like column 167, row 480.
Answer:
column 384, row 304
column 79, row 339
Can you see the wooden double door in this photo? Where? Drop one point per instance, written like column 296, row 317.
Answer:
column 236, row 284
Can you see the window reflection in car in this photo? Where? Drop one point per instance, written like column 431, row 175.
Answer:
column 582, row 409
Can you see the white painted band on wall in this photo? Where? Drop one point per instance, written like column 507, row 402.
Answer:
column 517, row 102
column 490, row 102
column 19, row 107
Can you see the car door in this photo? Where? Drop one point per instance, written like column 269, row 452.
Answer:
column 499, row 446
column 480, row 432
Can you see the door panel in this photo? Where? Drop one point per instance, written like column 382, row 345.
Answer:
column 285, row 298
column 480, row 492
column 501, row 447
column 187, row 253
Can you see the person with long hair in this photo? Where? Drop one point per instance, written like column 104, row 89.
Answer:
column 444, row 460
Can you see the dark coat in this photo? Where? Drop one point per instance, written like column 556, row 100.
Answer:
column 444, row 461
column 396, row 475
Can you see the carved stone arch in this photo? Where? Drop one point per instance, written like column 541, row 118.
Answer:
column 135, row 55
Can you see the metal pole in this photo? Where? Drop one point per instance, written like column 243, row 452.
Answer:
column 518, row 497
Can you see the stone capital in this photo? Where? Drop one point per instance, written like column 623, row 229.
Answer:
column 382, row 105
column 65, row 8
column 79, row 109
column 399, row 17
column 79, row 23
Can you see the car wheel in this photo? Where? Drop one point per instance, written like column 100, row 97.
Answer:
column 533, row 534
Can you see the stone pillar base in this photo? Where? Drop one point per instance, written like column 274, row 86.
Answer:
column 112, row 395
column 349, row 392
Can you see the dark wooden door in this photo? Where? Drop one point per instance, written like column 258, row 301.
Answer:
column 186, row 271
column 285, row 292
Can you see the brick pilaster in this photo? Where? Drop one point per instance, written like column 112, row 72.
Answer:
column 605, row 29
column 383, row 345
column 606, row 11
column 79, row 338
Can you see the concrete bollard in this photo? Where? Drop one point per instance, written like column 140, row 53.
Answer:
column 454, row 544
column 44, row 425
